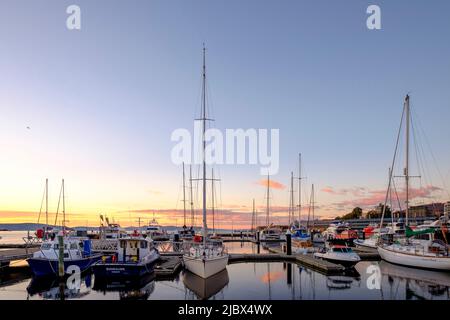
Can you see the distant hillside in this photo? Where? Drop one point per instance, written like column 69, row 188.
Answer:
column 20, row 226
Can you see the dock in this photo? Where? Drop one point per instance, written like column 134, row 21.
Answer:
column 168, row 266
column 367, row 254
column 8, row 255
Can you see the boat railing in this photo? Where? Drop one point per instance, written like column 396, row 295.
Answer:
column 105, row 245
column 211, row 249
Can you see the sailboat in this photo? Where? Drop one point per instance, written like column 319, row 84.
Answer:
column 205, row 257
column 270, row 232
column 426, row 252
column 185, row 232
column 76, row 250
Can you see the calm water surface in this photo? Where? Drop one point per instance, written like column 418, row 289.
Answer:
column 274, row 280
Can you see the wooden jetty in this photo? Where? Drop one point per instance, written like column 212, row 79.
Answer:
column 8, row 255
column 319, row 265
column 367, row 254
column 168, row 266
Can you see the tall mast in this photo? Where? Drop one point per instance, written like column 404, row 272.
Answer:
column 291, row 203
column 407, row 157
column 191, row 198
column 46, row 202
column 205, row 231
column 64, row 208
column 299, row 187
column 313, row 202
column 267, row 205
column 253, row 217
column 212, row 199
column 184, row 199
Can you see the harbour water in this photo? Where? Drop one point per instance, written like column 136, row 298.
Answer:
column 374, row 280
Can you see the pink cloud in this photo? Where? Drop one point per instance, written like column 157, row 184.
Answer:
column 272, row 184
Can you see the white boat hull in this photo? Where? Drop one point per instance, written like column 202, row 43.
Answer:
column 365, row 244
column 205, row 268
column 412, row 260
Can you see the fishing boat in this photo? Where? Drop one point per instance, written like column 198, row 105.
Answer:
column 110, row 230
column 339, row 254
column 205, row 257
column 419, row 248
column 76, row 251
column 155, row 231
column 136, row 256
column 340, row 232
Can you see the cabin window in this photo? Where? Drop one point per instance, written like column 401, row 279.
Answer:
column 73, row 246
column 56, row 246
column 46, row 246
column 122, row 244
column 143, row 244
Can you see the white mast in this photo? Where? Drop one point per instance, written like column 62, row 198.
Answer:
column 64, row 208
column 184, row 199
column 291, row 202
column 191, row 197
column 267, row 205
column 46, row 202
column 407, row 157
column 212, row 200
column 299, row 187
column 205, row 227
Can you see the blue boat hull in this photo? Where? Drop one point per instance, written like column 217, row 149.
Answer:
column 119, row 270
column 43, row 267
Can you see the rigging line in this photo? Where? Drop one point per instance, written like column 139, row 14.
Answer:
column 42, row 203
column 57, row 208
column 433, row 156
column 392, row 166
column 396, row 195
column 423, row 163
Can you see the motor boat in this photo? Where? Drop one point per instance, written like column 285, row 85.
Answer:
column 340, row 232
column 156, row 232
column 270, row 233
column 136, row 256
column 77, row 252
column 339, row 254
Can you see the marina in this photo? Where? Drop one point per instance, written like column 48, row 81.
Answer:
column 224, row 151
column 280, row 278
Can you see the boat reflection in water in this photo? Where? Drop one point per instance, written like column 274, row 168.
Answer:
column 205, row 288
column 52, row 288
column 350, row 279
column 419, row 283
column 128, row 288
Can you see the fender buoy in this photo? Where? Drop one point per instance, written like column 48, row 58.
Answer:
column 197, row 238
column 114, row 258
column 40, row 233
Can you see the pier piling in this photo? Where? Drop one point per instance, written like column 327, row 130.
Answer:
column 61, row 256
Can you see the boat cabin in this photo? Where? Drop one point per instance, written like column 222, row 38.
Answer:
column 132, row 249
column 73, row 249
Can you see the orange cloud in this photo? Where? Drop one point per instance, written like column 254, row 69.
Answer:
column 272, row 184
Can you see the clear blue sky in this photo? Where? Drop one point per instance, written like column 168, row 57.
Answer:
column 102, row 102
